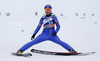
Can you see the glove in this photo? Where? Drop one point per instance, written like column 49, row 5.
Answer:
column 33, row 36
column 54, row 34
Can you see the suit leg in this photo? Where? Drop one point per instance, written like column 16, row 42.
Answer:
column 37, row 40
column 56, row 40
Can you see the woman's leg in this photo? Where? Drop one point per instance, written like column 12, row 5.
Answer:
column 37, row 40
column 56, row 40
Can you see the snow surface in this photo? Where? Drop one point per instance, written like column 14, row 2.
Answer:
column 82, row 32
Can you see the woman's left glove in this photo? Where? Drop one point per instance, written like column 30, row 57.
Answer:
column 54, row 34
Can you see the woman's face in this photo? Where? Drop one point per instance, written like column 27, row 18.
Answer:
column 48, row 11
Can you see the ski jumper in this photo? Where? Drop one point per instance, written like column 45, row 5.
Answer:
column 48, row 23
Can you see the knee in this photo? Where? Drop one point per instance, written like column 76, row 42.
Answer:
column 61, row 42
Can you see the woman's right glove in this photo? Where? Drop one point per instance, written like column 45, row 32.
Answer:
column 33, row 36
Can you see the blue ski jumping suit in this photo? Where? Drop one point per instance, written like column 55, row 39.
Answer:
column 48, row 23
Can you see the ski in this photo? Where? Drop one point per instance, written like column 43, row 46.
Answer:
column 24, row 54
column 60, row 53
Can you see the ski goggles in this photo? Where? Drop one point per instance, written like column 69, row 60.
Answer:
column 47, row 10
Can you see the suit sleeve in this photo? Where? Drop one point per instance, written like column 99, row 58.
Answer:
column 57, row 23
column 39, row 26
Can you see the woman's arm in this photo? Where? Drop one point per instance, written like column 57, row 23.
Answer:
column 57, row 24
column 39, row 26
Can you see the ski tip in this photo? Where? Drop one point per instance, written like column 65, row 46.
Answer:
column 30, row 54
column 24, row 54
column 31, row 50
column 13, row 53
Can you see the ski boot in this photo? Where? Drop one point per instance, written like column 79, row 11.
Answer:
column 72, row 51
column 19, row 51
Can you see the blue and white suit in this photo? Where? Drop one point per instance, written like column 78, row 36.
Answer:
column 48, row 23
